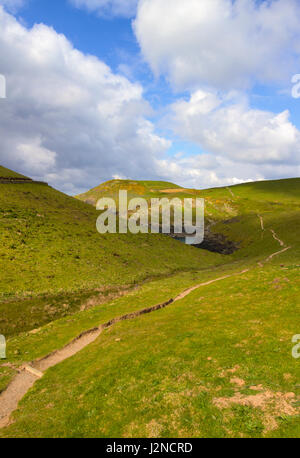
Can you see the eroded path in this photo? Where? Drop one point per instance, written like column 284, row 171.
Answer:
column 28, row 374
column 261, row 222
column 230, row 191
column 275, row 237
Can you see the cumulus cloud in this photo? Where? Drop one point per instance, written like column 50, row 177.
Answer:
column 207, row 170
column 125, row 8
column 203, row 171
column 227, row 126
column 12, row 5
column 69, row 120
column 67, row 117
column 220, row 43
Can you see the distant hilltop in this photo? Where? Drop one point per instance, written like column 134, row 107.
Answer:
column 263, row 190
column 134, row 188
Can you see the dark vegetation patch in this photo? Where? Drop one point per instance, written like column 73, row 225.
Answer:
column 25, row 314
column 217, row 243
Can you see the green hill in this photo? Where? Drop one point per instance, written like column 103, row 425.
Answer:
column 216, row 362
column 134, row 188
column 220, row 202
column 6, row 173
column 52, row 258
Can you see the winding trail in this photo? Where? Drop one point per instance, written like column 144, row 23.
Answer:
column 15, row 391
column 231, row 192
column 275, row 236
column 29, row 374
column 281, row 243
column 269, row 258
column 261, row 222
column 193, row 288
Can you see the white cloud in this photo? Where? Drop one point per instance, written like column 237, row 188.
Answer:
column 226, row 45
column 67, row 118
column 126, row 8
column 207, row 170
column 12, row 5
column 35, row 157
column 221, row 43
column 226, row 126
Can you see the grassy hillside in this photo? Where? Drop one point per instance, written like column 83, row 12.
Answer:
column 134, row 188
column 53, row 260
column 215, row 363
column 285, row 189
column 221, row 203
column 7, row 173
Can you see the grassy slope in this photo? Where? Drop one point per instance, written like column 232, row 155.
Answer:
column 7, row 173
column 221, row 203
column 134, row 188
column 52, row 258
column 164, row 382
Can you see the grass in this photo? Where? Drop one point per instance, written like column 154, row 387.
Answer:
column 134, row 189
column 165, row 383
column 7, row 173
column 52, row 255
column 28, row 346
column 215, row 364
column 6, row 375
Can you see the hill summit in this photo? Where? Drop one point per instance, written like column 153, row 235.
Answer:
column 134, row 188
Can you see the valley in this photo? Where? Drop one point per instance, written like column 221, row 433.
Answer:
column 191, row 332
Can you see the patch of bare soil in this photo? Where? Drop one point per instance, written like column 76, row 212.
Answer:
column 226, row 372
column 272, row 404
column 153, row 429
column 10, row 398
column 174, row 191
column 106, row 296
column 237, row 381
column 69, row 350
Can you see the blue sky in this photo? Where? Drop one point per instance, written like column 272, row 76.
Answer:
column 106, row 38
column 111, row 38
column 206, row 101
